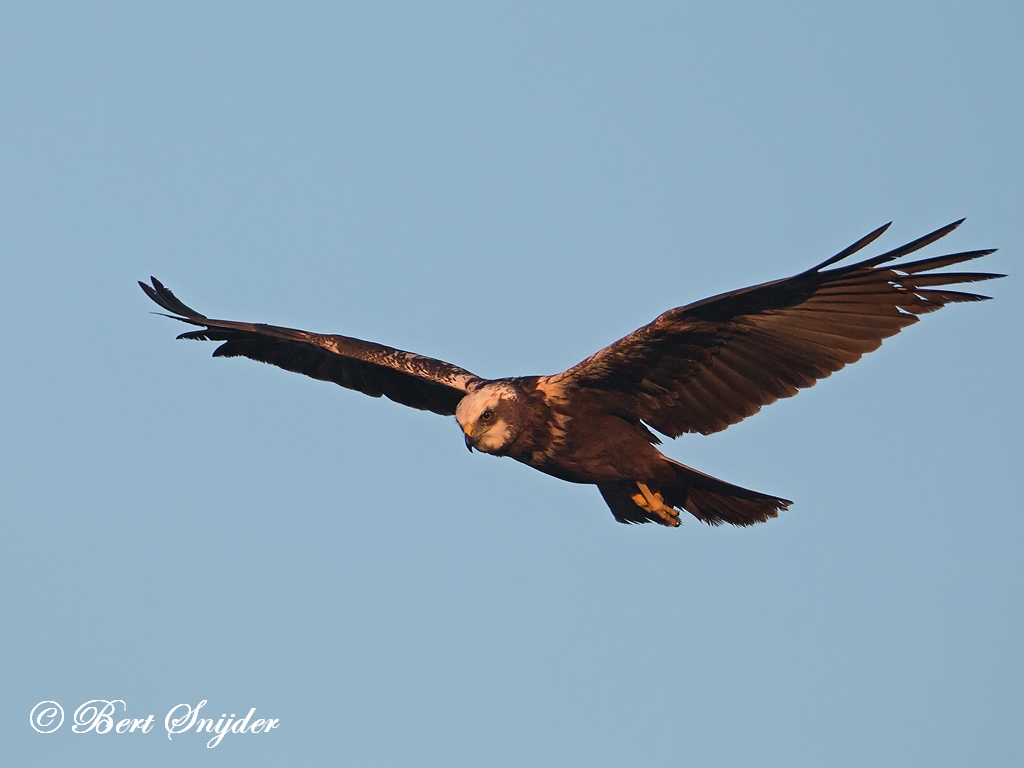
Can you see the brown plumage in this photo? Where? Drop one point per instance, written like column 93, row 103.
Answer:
column 697, row 368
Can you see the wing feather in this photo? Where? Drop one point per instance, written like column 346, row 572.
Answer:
column 373, row 369
column 704, row 366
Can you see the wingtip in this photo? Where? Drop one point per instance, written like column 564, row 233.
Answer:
column 940, row 233
column 950, row 227
column 153, row 288
column 852, row 249
column 166, row 299
column 149, row 291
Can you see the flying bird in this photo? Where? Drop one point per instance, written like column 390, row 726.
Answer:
column 696, row 368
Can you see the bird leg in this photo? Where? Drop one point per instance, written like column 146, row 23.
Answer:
column 654, row 503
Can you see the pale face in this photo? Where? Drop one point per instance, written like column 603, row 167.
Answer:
column 483, row 416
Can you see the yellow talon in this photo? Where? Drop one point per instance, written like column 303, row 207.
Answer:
column 654, row 503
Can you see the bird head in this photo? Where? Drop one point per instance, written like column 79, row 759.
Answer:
column 488, row 417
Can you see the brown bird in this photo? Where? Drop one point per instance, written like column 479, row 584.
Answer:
column 697, row 368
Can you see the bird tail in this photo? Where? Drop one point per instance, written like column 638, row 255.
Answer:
column 707, row 498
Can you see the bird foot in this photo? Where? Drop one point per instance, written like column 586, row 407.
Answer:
column 654, row 503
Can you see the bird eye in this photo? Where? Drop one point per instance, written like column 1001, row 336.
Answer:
column 486, row 416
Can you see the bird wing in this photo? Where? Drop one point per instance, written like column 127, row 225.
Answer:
column 373, row 369
column 707, row 365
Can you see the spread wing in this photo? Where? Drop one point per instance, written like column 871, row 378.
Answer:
column 707, row 365
column 373, row 369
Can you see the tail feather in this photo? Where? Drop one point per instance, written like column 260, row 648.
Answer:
column 707, row 498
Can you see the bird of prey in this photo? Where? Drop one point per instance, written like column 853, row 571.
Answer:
column 697, row 368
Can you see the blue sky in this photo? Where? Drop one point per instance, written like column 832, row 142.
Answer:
column 508, row 189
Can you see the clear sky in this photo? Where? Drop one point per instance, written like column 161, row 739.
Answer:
column 509, row 189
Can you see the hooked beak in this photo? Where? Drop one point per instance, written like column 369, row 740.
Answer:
column 470, row 442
